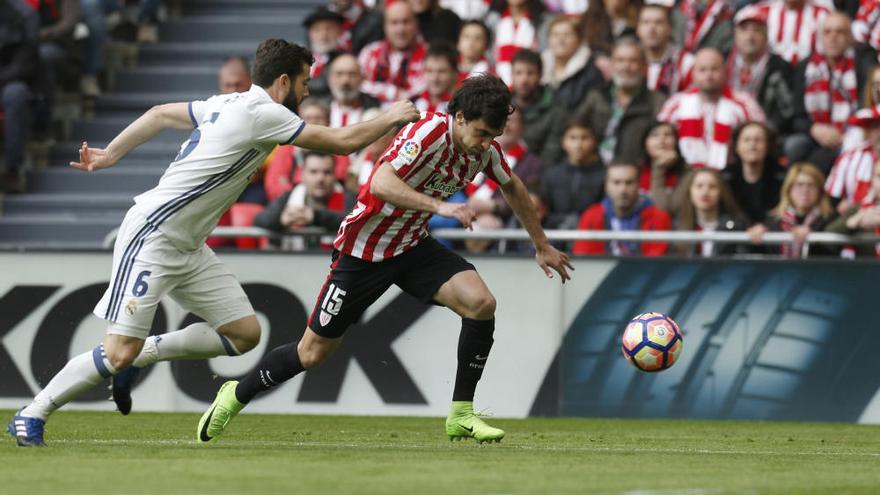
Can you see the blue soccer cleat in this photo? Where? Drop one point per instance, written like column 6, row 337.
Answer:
column 122, row 384
column 28, row 432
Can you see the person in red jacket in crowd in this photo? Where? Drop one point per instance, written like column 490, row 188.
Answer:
column 623, row 209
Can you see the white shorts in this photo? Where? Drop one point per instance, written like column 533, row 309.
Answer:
column 146, row 267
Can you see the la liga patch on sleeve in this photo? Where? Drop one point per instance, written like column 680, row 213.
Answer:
column 409, row 151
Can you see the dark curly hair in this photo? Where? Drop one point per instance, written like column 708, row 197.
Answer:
column 483, row 97
column 275, row 57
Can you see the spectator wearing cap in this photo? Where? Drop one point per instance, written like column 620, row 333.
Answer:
column 829, row 84
column 793, row 27
column 347, row 103
column 441, row 75
column 436, row 23
column 234, row 75
column 624, row 209
column 473, row 44
column 707, row 205
column 394, row 67
column 542, row 116
column 706, row 115
column 850, row 178
column 19, row 28
column 569, row 66
column 324, row 31
column 754, row 69
column 361, row 26
column 703, row 24
column 317, row 201
column 668, row 66
column 622, row 111
column 515, row 24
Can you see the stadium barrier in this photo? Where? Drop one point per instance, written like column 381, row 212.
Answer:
column 762, row 339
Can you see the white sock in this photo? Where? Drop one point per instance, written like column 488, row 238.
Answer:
column 197, row 341
column 78, row 375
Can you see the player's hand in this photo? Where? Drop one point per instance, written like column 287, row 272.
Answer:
column 549, row 257
column 91, row 159
column 459, row 211
column 403, row 112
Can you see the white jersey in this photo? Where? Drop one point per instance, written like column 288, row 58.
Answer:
column 233, row 135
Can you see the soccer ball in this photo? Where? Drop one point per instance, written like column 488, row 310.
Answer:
column 652, row 342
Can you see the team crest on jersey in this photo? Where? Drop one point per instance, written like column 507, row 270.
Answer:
column 131, row 308
column 410, row 150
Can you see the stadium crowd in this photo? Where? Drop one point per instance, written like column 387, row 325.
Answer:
column 690, row 115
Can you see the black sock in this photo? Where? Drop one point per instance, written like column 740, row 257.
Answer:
column 474, row 344
column 280, row 365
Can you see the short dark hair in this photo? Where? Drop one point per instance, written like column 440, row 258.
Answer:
column 315, row 154
column 483, row 97
column 528, row 57
column 445, row 51
column 275, row 57
column 579, row 122
column 480, row 24
column 237, row 59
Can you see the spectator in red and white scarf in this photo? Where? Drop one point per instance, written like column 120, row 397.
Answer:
column 864, row 217
column 468, row 10
column 569, row 65
column 803, row 208
column 668, row 66
column 793, row 27
column 348, row 102
column 753, row 69
column 866, row 26
column 484, row 196
column 706, row 115
column 436, row 23
column 362, row 25
column 394, row 67
column 830, row 84
column 473, row 44
column 703, row 24
column 516, row 28
column 323, row 30
column 441, row 75
column 850, row 179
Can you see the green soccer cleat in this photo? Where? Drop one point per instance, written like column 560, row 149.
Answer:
column 462, row 422
column 221, row 412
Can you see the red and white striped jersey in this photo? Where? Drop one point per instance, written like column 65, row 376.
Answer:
column 391, row 74
column 850, row 178
column 866, row 26
column 426, row 160
column 793, row 34
column 424, row 103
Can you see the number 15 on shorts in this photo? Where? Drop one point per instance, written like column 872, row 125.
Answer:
column 331, row 305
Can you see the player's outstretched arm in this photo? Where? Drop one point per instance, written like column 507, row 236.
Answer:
column 168, row 116
column 388, row 187
column 547, row 256
column 346, row 140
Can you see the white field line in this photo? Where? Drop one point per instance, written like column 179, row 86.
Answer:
column 508, row 446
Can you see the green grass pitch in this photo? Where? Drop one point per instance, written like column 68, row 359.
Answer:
column 146, row 453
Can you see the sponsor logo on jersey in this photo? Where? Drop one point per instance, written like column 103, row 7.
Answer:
column 436, row 183
column 409, row 151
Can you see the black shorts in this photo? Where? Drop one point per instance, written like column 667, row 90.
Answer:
column 354, row 284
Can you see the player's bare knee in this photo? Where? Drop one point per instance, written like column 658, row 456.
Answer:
column 244, row 333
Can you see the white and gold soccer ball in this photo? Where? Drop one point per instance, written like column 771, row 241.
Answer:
column 652, row 342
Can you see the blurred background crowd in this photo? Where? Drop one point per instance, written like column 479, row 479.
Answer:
column 689, row 115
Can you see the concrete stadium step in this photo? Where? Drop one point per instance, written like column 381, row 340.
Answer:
column 245, row 8
column 56, row 231
column 122, row 179
column 168, row 78
column 232, row 28
column 106, row 128
column 150, row 153
column 204, row 53
column 67, row 204
column 126, row 105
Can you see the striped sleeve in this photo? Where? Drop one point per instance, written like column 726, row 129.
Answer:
column 668, row 110
column 414, row 143
column 497, row 169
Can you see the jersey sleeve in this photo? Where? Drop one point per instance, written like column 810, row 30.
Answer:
column 414, row 143
column 497, row 169
column 277, row 125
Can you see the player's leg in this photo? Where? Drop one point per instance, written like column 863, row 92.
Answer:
column 352, row 285
column 210, row 290
column 444, row 277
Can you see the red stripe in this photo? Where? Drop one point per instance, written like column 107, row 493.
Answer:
column 426, row 143
column 404, row 229
column 379, row 231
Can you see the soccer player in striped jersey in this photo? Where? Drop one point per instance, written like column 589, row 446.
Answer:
column 160, row 249
column 384, row 241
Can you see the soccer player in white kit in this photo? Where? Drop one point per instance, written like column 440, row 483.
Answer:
column 160, row 249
